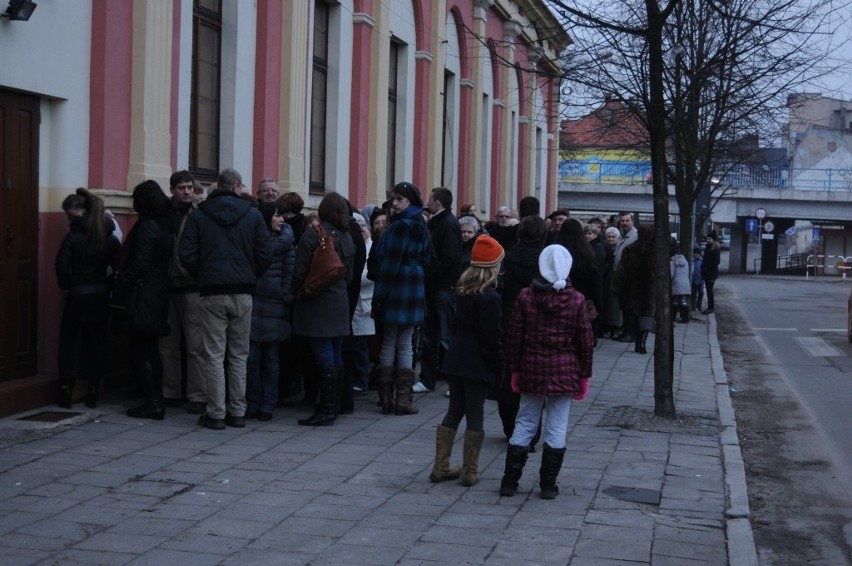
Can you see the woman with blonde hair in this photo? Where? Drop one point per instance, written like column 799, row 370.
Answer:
column 473, row 363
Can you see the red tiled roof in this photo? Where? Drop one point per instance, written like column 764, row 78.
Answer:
column 609, row 127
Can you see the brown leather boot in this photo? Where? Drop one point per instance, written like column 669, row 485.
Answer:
column 470, row 466
column 404, row 381
column 441, row 471
column 384, row 385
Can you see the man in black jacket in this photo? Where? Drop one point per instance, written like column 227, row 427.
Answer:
column 441, row 277
column 225, row 246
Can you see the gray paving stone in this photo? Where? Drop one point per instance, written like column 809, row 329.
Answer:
column 257, row 557
column 83, row 557
column 530, row 553
column 448, row 553
column 354, row 554
column 91, row 514
column 120, row 542
column 23, row 556
column 204, row 543
column 637, row 550
column 152, row 526
column 48, row 543
column 97, row 478
column 714, row 554
column 162, row 556
column 65, row 530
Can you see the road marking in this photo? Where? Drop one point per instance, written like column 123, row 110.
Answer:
column 778, row 329
column 838, row 330
column 817, row 347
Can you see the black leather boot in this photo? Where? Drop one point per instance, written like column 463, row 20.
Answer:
column 153, row 407
column 324, row 409
column 65, row 396
column 92, row 395
column 643, row 338
column 516, row 459
column 551, row 463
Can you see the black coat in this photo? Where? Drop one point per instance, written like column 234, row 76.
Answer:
column 520, row 267
column 353, row 288
column 145, row 267
column 476, row 347
column 225, row 245
column 78, row 271
column 445, row 266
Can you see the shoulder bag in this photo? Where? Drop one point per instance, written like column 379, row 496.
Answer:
column 326, row 267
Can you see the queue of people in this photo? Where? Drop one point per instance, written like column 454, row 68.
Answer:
column 260, row 302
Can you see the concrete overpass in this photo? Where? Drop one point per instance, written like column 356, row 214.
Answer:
column 730, row 208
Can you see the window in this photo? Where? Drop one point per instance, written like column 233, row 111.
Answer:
column 319, row 98
column 393, row 92
column 205, row 97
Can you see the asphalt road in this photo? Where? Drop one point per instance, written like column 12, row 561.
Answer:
column 802, row 325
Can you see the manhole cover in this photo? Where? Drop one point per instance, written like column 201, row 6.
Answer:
column 643, row 419
column 634, row 494
column 50, row 416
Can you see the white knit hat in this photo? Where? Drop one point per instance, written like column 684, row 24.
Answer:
column 554, row 264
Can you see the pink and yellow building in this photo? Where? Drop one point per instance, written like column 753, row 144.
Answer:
column 348, row 96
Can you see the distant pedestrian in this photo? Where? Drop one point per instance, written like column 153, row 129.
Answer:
column 681, row 287
column 473, row 363
column 550, row 347
column 697, row 280
column 710, row 268
column 634, row 281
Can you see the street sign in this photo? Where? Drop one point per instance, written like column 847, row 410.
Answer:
column 816, row 234
column 769, row 226
column 751, row 225
column 760, row 213
column 767, row 236
column 790, row 231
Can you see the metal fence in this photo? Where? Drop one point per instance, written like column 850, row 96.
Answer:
column 611, row 172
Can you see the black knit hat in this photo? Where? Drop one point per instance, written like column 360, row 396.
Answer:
column 410, row 192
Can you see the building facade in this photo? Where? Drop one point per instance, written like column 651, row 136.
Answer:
column 345, row 96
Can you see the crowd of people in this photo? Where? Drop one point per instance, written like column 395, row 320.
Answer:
column 235, row 304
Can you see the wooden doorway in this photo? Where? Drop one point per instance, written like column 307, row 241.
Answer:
column 19, row 128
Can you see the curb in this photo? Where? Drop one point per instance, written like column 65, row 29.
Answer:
column 741, row 548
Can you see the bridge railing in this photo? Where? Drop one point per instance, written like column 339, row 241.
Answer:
column 603, row 171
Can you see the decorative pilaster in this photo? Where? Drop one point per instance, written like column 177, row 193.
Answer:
column 297, row 26
column 150, row 116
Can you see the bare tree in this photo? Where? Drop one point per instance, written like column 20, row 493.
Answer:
column 699, row 75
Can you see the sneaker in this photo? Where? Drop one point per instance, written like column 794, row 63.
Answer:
column 196, row 408
column 234, row 421
column 207, row 421
column 420, row 388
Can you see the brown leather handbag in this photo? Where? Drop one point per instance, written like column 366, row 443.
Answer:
column 326, row 267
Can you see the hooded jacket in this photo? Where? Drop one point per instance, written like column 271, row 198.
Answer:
column 680, row 275
column 550, row 341
column 225, row 245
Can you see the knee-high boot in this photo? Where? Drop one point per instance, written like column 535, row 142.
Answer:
column 153, row 407
column 472, row 448
column 643, row 338
column 516, row 459
column 404, row 381
column 442, row 471
column 551, row 463
column 324, row 409
column 384, row 385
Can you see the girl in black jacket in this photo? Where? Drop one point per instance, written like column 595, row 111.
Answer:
column 473, row 363
column 87, row 252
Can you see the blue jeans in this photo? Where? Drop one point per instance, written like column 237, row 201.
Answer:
column 262, row 376
column 555, row 422
column 437, row 331
column 327, row 351
column 357, row 360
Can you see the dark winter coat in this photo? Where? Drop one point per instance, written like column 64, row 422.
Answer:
column 78, row 271
column 225, row 245
column 712, row 257
column 634, row 277
column 145, row 267
column 354, row 286
column 587, row 280
column 271, row 300
column 399, row 296
column 327, row 314
column 297, row 224
column 520, row 267
column 179, row 278
column 445, row 266
column 475, row 351
column 550, row 341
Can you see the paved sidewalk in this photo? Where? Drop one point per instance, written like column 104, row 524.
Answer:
column 107, row 489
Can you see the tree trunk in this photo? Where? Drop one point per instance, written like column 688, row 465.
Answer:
column 664, row 405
